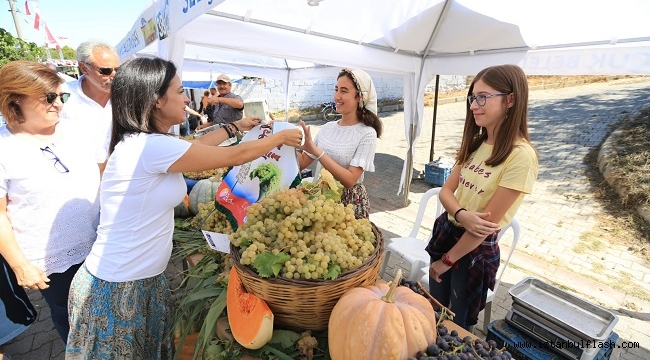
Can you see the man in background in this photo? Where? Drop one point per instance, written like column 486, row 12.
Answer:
column 228, row 107
column 90, row 100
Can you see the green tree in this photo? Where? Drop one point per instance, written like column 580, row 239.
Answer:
column 12, row 49
column 69, row 53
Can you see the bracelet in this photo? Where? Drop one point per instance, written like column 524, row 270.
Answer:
column 228, row 131
column 445, row 260
column 320, row 156
column 456, row 213
column 235, row 125
column 309, row 154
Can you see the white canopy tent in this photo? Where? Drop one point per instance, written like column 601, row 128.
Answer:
column 291, row 39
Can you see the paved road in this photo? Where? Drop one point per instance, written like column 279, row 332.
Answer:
column 565, row 124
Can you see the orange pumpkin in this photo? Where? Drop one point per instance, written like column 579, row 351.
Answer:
column 250, row 319
column 381, row 322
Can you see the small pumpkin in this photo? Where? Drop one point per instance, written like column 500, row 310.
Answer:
column 203, row 192
column 182, row 210
column 249, row 317
column 381, row 322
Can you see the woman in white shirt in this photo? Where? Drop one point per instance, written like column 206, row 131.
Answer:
column 346, row 148
column 119, row 299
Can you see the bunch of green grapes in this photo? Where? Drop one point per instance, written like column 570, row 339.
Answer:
column 216, row 220
column 206, row 174
column 317, row 233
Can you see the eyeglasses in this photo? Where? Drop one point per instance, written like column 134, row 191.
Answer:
column 51, row 97
column 481, row 99
column 106, row 71
column 50, row 155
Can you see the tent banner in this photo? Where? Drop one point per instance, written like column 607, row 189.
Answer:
column 162, row 19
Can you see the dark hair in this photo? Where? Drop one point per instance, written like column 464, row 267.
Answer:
column 509, row 79
column 364, row 115
column 134, row 92
column 20, row 79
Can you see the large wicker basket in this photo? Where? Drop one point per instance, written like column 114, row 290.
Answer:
column 307, row 304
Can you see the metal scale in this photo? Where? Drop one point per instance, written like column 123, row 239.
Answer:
column 553, row 316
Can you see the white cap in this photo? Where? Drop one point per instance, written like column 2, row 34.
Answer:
column 223, row 77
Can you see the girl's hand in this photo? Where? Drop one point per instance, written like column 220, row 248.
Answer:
column 475, row 223
column 309, row 145
column 31, row 277
column 436, row 269
column 248, row 123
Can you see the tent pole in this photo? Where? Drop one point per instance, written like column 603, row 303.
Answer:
column 409, row 166
column 435, row 116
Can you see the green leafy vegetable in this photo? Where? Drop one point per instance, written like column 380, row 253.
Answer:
column 268, row 264
column 333, row 271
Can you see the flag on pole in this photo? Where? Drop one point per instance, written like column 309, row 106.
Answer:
column 33, row 10
column 51, row 41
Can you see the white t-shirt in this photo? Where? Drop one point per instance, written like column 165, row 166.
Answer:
column 54, row 214
column 138, row 196
column 348, row 145
column 96, row 120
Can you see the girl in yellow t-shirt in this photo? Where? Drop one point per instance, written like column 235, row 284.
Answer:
column 495, row 167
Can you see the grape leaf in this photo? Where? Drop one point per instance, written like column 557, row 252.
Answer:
column 328, row 178
column 285, row 338
column 333, row 271
column 331, row 194
column 268, row 264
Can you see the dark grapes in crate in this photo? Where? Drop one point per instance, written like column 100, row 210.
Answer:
column 412, row 285
column 449, row 346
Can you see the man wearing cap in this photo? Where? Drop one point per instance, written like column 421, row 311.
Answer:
column 228, row 107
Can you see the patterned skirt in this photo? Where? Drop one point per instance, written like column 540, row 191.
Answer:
column 119, row 320
column 358, row 197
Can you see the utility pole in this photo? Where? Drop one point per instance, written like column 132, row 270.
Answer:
column 16, row 22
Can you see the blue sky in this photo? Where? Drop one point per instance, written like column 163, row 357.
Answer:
column 78, row 20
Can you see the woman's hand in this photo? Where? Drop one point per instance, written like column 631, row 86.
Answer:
column 436, row 269
column 475, row 223
column 248, row 123
column 31, row 277
column 291, row 137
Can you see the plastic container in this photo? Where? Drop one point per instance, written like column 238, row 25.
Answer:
column 437, row 172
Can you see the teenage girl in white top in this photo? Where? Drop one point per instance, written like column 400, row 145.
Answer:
column 346, row 148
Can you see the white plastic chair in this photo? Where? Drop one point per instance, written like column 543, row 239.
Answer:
column 516, row 233
column 412, row 249
column 423, row 273
column 408, row 252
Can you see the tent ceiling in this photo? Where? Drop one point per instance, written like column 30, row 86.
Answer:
column 288, row 39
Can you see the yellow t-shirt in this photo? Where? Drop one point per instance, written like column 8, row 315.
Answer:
column 478, row 182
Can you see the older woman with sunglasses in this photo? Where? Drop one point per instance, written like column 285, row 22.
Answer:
column 49, row 185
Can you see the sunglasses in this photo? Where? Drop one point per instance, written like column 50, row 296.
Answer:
column 106, row 71
column 51, row 97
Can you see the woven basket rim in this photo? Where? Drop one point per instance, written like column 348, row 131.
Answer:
column 379, row 248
